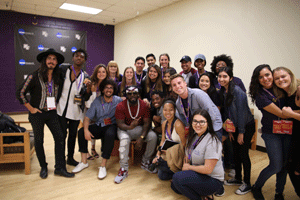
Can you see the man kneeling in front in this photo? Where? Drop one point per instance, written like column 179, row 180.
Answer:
column 133, row 120
column 102, row 111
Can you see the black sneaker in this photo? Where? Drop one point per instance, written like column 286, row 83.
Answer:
column 279, row 196
column 257, row 194
column 243, row 189
column 233, row 181
column 220, row 192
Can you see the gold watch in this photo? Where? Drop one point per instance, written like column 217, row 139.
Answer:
column 142, row 136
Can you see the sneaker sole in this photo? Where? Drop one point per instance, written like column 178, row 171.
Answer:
column 121, row 180
column 220, row 195
column 225, row 183
column 80, row 170
column 242, row 193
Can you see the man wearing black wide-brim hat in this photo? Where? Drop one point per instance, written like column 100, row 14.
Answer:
column 43, row 86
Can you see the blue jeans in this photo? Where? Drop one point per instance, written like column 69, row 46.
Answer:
column 194, row 185
column 277, row 146
column 164, row 172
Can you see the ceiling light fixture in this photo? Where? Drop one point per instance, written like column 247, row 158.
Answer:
column 83, row 9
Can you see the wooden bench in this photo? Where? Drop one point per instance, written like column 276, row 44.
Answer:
column 16, row 152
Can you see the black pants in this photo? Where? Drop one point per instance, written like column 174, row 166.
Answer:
column 73, row 126
column 107, row 135
column 38, row 121
column 241, row 153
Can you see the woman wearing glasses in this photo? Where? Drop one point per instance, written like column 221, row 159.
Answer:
column 202, row 173
column 113, row 72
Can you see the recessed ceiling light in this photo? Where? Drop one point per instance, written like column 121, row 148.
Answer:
column 83, row 9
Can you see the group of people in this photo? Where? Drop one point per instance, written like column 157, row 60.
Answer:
column 200, row 113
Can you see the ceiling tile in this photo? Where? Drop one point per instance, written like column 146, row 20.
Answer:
column 139, row 6
column 129, row 11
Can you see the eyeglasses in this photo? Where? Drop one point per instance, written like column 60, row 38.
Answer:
column 201, row 122
column 131, row 93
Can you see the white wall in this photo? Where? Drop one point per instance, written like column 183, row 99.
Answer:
column 252, row 32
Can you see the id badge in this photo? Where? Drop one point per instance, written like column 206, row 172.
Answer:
column 77, row 99
column 282, row 127
column 107, row 121
column 229, row 126
column 51, row 103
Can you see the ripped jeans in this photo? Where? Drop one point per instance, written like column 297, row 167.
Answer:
column 125, row 138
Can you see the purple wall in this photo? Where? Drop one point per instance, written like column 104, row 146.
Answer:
column 100, row 48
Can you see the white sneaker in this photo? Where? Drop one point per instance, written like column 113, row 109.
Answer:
column 231, row 173
column 102, row 173
column 121, row 175
column 80, row 167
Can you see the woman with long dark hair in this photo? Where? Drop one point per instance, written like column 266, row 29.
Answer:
column 239, row 125
column 43, row 86
column 167, row 84
column 206, row 84
column 152, row 82
column 99, row 75
column 202, row 173
column 222, row 61
column 262, row 93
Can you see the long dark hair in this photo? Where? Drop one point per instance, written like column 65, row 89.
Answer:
column 94, row 77
column 229, row 97
column 43, row 70
column 158, row 82
column 254, row 84
column 212, row 89
column 210, row 128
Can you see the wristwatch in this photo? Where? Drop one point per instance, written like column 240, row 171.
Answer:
column 142, row 136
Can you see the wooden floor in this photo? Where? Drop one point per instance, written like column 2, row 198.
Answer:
column 14, row 184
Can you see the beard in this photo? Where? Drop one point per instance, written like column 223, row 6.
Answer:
column 133, row 101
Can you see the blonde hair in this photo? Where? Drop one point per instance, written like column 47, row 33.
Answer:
column 293, row 86
column 110, row 63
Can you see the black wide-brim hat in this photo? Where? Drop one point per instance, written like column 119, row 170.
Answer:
column 60, row 58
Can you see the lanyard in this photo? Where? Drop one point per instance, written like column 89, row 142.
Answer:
column 274, row 99
column 195, row 144
column 151, row 89
column 140, row 79
column 198, row 78
column 78, row 84
column 186, row 115
column 166, row 129
column 50, row 87
column 103, row 102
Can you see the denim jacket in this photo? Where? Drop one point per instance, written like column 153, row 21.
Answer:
column 239, row 111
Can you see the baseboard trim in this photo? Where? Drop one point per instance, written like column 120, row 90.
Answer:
column 16, row 113
column 260, row 148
